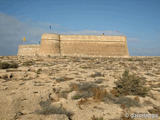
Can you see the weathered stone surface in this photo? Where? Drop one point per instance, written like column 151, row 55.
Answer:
column 50, row 44
column 28, row 50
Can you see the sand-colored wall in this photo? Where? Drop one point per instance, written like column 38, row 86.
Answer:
column 90, row 45
column 101, row 38
column 28, row 50
column 50, row 44
column 78, row 45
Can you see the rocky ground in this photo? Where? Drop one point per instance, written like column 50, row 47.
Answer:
column 71, row 88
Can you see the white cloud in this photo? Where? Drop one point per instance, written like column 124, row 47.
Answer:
column 12, row 31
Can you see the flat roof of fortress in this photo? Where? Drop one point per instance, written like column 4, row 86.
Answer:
column 74, row 37
column 52, row 34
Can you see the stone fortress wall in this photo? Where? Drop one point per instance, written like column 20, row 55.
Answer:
column 28, row 50
column 77, row 45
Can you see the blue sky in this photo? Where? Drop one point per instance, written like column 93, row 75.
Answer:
column 139, row 20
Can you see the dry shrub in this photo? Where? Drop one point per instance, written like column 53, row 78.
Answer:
column 97, row 74
column 96, row 118
column 137, row 99
column 86, row 90
column 6, row 65
column 114, row 92
column 47, row 109
column 81, row 102
column 130, row 59
column 130, row 84
column 74, row 87
column 155, row 110
column 133, row 68
column 99, row 93
column 83, row 90
column 99, row 81
column 126, row 102
column 147, row 102
column 84, row 86
column 80, row 95
column 123, row 106
column 63, row 94
column 28, row 63
column 62, row 79
column 39, row 71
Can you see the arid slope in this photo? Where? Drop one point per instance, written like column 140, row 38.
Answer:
column 72, row 88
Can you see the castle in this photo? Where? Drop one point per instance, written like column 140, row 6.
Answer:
column 77, row 45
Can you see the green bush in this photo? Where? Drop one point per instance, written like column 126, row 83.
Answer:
column 130, row 84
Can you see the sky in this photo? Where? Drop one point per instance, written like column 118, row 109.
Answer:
column 138, row 20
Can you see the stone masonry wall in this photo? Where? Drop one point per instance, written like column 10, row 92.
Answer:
column 78, row 45
column 50, row 44
column 28, row 50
